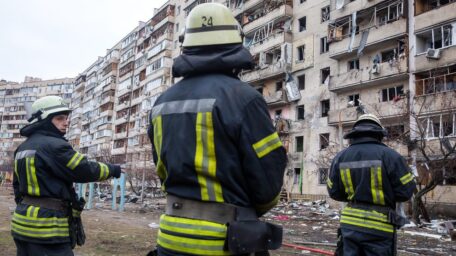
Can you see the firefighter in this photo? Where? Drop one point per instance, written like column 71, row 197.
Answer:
column 371, row 177
column 47, row 216
column 219, row 158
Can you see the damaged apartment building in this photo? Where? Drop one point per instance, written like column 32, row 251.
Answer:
column 319, row 65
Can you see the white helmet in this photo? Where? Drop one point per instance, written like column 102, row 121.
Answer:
column 45, row 106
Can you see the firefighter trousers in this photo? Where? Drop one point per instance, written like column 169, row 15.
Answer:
column 33, row 249
column 356, row 243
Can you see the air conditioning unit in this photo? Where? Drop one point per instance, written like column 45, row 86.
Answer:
column 433, row 53
column 375, row 69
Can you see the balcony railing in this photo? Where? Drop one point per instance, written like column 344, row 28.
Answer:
column 383, row 110
column 357, row 78
column 276, row 99
column 282, row 11
column 447, row 57
column 270, row 42
column 271, row 70
column 376, row 36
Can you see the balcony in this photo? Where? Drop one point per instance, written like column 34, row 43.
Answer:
column 120, row 135
column 106, row 113
column 350, row 7
column 168, row 18
column 377, row 36
column 161, row 72
column 118, row 151
column 276, row 99
column 246, row 6
column 270, row 42
column 120, row 120
column 435, row 102
column 137, row 100
column 362, row 78
column 106, row 100
column 282, row 11
column 447, row 58
column 122, row 106
column 436, row 16
column 270, row 71
column 383, row 110
column 110, row 86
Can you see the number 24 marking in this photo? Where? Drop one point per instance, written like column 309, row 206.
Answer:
column 206, row 21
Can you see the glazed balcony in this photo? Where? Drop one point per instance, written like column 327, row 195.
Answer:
column 349, row 115
column 270, row 42
column 246, row 6
column 375, row 40
column 364, row 77
column 350, row 7
column 436, row 16
column 282, row 11
column 270, row 71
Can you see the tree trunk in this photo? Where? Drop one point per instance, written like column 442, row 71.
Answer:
column 418, row 205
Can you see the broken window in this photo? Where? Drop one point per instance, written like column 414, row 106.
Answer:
column 394, row 132
column 324, row 45
column 301, row 52
column 278, row 113
column 324, row 140
column 299, row 142
column 297, row 175
column 260, row 90
column 323, row 176
column 354, row 99
column 435, row 38
column 427, row 5
column 324, row 108
column 388, row 56
column 301, row 82
column 353, row 64
column 279, row 86
column 392, row 93
column 324, row 74
column 325, row 14
column 438, row 80
column 300, row 112
column 302, row 24
column 447, row 126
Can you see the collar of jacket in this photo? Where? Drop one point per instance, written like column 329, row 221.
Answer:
column 364, row 139
column 228, row 59
column 41, row 127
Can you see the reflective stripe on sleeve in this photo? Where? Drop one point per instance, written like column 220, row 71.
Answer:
column 161, row 169
column 104, row 171
column 75, row 160
column 348, row 185
column 267, row 144
column 406, row 178
column 377, row 185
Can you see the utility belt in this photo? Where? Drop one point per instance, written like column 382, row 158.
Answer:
column 46, row 202
column 245, row 232
column 393, row 218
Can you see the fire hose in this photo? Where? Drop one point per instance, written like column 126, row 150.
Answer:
column 308, row 249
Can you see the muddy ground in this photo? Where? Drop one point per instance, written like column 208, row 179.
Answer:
column 133, row 231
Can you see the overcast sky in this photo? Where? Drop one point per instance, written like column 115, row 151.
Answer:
column 61, row 38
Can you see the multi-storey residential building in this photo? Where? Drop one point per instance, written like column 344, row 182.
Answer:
column 15, row 101
column 319, row 65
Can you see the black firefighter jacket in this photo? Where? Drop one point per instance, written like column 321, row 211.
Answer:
column 213, row 140
column 46, row 166
column 371, row 177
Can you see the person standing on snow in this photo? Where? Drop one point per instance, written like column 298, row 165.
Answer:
column 47, row 216
column 219, row 158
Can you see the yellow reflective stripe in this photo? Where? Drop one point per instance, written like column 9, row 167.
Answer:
column 377, row 185
column 75, row 160
column 15, row 168
column 329, row 183
column 158, row 137
column 70, row 163
column 267, row 206
column 104, row 171
column 40, row 219
column 191, row 245
column 346, row 180
column 374, row 215
column 205, row 159
column 367, row 223
column 35, row 185
column 267, row 144
column 212, row 160
column 29, row 176
column 39, row 232
column 192, row 227
column 406, row 178
column 32, row 222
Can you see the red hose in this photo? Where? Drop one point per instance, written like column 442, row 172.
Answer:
column 308, row 249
